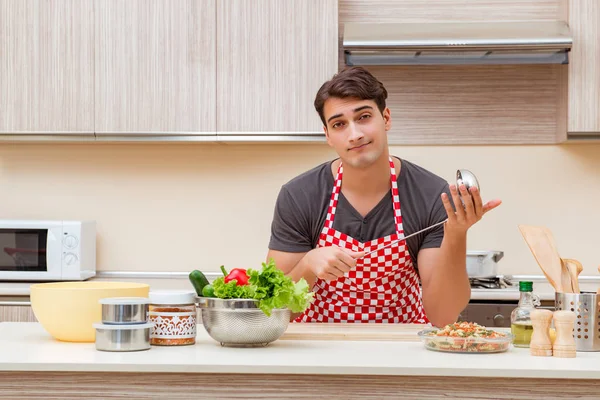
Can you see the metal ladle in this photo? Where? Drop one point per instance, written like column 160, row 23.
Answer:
column 463, row 177
column 467, row 178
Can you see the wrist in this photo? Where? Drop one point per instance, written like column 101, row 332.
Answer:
column 305, row 265
column 455, row 239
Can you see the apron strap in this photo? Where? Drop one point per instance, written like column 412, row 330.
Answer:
column 396, row 199
column 335, row 195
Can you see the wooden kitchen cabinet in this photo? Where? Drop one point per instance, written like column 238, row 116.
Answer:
column 479, row 104
column 584, row 67
column 46, row 67
column 272, row 57
column 155, row 67
column 468, row 104
column 16, row 313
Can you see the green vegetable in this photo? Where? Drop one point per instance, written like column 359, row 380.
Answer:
column 231, row 290
column 198, row 281
column 208, row 291
column 270, row 286
column 276, row 290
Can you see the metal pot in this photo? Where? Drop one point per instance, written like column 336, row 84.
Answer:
column 483, row 264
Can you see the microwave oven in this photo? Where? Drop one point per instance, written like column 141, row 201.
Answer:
column 37, row 250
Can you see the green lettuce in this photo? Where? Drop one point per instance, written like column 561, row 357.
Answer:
column 275, row 290
column 271, row 287
column 231, row 290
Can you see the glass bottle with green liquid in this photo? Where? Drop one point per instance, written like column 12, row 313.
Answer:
column 520, row 320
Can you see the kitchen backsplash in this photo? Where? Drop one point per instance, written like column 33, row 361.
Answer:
column 178, row 207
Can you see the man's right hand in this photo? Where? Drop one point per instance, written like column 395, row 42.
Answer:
column 329, row 263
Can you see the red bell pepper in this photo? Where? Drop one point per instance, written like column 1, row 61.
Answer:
column 238, row 274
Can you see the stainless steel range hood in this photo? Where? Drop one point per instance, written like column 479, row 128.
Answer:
column 535, row 42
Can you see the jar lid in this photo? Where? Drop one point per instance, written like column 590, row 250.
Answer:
column 125, row 300
column 172, row 297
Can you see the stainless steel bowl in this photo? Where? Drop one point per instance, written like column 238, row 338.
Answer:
column 239, row 322
column 134, row 337
column 125, row 310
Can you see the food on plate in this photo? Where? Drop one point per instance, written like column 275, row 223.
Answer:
column 464, row 329
column 466, row 337
column 269, row 286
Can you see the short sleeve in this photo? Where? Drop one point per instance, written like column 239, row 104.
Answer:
column 434, row 237
column 290, row 228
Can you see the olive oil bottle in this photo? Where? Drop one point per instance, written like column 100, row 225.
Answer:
column 520, row 320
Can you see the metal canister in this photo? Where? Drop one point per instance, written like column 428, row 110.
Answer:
column 125, row 310
column 114, row 337
column 586, row 329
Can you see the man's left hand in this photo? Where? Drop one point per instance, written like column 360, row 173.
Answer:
column 463, row 218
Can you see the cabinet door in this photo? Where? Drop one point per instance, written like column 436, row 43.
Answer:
column 46, row 67
column 584, row 67
column 155, row 67
column 489, row 104
column 272, row 57
column 16, row 313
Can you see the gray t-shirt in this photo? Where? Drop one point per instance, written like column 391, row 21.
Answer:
column 301, row 209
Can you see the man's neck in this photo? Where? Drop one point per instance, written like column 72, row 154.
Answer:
column 372, row 180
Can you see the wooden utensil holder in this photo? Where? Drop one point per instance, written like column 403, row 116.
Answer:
column 586, row 328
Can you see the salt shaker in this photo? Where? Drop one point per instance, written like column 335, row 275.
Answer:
column 540, row 344
column 564, row 345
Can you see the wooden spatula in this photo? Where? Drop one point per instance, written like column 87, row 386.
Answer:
column 545, row 254
column 565, row 276
column 574, row 267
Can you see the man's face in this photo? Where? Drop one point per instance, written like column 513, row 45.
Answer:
column 356, row 130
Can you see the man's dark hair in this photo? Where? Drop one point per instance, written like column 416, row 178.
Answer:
column 355, row 82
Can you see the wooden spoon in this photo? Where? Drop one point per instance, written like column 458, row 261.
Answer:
column 574, row 267
column 546, row 255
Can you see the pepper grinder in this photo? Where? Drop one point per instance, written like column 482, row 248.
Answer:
column 564, row 345
column 540, row 344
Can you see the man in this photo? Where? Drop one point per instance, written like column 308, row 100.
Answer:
column 331, row 223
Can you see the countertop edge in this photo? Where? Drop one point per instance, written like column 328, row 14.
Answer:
column 303, row 370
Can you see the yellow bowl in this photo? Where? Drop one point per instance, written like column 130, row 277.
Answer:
column 67, row 310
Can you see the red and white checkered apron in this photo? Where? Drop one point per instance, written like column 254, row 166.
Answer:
column 384, row 286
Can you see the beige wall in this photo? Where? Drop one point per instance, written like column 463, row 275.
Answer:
column 177, row 207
